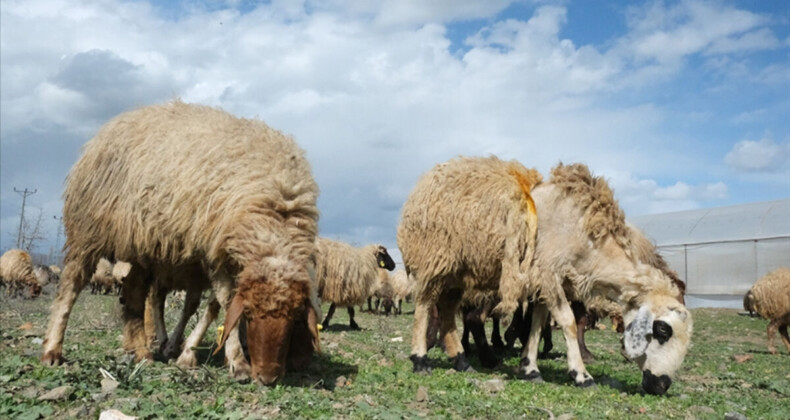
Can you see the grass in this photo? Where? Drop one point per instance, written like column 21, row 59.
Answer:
column 367, row 374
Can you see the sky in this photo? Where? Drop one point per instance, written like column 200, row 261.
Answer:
column 678, row 104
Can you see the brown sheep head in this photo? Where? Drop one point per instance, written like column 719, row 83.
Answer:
column 281, row 326
column 657, row 336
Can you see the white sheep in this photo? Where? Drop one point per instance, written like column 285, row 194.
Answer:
column 346, row 275
column 493, row 226
column 770, row 297
column 17, row 274
column 179, row 184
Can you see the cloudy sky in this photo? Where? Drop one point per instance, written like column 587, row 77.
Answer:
column 680, row 104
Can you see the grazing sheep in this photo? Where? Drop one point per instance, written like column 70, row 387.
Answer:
column 770, row 297
column 102, row 280
column 346, row 275
column 403, row 287
column 384, row 292
column 17, row 274
column 45, row 274
column 178, row 184
column 490, row 239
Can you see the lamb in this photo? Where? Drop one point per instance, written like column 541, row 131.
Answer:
column 176, row 184
column 384, row 292
column 491, row 240
column 45, row 274
column 346, row 275
column 770, row 298
column 17, row 275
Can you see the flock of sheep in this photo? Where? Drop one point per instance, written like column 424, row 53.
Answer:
column 187, row 197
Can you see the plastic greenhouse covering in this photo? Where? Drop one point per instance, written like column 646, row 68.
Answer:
column 720, row 252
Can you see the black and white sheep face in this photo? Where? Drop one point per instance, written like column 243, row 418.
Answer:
column 657, row 336
column 384, row 260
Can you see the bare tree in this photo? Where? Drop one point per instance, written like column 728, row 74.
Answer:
column 32, row 232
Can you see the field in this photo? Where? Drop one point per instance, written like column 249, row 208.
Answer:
column 367, row 374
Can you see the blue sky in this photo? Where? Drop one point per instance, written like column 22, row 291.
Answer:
column 679, row 104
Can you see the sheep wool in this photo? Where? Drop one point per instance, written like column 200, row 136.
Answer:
column 175, row 184
column 16, row 271
column 346, row 275
column 770, row 297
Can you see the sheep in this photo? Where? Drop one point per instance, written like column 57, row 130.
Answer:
column 770, row 298
column 403, row 287
column 17, row 274
column 102, row 280
column 178, row 184
column 45, row 274
column 384, row 292
column 490, row 239
column 346, row 274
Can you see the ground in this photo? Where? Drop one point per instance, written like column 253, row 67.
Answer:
column 367, row 374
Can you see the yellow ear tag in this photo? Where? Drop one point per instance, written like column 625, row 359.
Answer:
column 381, row 264
column 220, row 330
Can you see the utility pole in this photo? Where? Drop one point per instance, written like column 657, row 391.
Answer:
column 24, row 193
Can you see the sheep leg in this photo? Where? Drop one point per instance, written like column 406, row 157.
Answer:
column 135, row 291
column 234, row 353
column 783, row 331
column 771, row 330
column 513, row 330
column 351, row 322
column 188, row 359
column 528, row 367
column 583, row 319
column 419, row 336
column 563, row 315
column 400, row 306
column 157, row 304
column 72, row 282
column 466, row 314
column 448, row 306
column 328, row 316
column 477, row 327
column 547, row 341
column 191, row 303
column 496, row 335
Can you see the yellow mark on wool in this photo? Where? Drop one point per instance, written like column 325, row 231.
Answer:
column 525, row 182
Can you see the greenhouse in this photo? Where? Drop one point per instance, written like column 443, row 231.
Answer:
column 720, row 252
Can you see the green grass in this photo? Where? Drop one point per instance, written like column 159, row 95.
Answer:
column 379, row 382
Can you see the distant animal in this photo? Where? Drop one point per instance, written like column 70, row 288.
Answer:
column 770, row 297
column 346, row 275
column 17, row 274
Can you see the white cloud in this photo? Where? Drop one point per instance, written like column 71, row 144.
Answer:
column 370, row 89
column 763, row 155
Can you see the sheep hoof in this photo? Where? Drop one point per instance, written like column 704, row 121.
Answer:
column 585, row 381
column 52, row 358
column 187, row 360
column 241, row 372
column 460, row 363
column 354, row 326
column 420, row 364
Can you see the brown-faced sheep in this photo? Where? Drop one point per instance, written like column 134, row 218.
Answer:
column 17, row 274
column 770, row 297
column 491, row 239
column 180, row 184
column 346, row 274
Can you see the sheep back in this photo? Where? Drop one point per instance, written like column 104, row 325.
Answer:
column 16, row 267
column 472, row 219
column 770, row 295
column 176, row 183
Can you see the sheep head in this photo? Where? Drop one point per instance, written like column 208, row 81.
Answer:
column 657, row 336
column 281, row 326
column 383, row 259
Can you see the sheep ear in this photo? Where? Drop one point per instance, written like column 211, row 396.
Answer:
column 232, row 317
column 312, row 325
column 635, row 338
